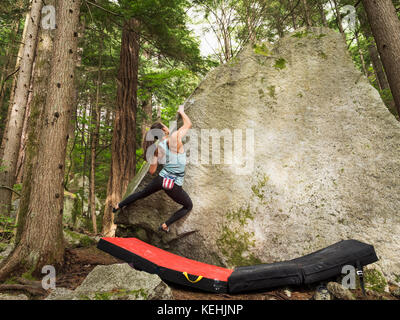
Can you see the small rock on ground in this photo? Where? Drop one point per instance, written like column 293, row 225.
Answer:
column 339, row 291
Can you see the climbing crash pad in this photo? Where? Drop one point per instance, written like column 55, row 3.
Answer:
column 314, row 267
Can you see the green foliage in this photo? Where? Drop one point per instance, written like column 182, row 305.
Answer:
column 261, row 49
column 7, row 227
column 280, row 64
column 374, row 280
column 301, row 34
column 257, row 189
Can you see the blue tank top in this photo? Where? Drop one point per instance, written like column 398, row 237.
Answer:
column 174, row 164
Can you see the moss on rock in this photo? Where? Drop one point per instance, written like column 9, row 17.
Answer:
column 375, row 280
column 280, row 64
column 261, row 49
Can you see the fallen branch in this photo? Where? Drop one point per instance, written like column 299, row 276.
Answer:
column 11, row 189
column 33, row 290
column 35, row 284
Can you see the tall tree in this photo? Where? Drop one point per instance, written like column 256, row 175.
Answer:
column 41, row 241
column 123, row 147
column 41, row 75
column 95, row 128
column 12, row 134
column 373, row 51
column 385, row 26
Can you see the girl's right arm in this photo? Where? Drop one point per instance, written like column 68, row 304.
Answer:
column 153, row 165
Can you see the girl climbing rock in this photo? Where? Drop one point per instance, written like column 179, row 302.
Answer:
column 171, row 154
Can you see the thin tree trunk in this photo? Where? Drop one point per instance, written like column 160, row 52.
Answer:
column 364, row 68
column 158, row 112
column 385, row 26
column 148, row 112
column 307, row 13
column 338, row 17
column 41, row 240
column 96, row 112
column 9, row 54
column 12, row 134
column 123, row 163
column 378, row 68
column 84, row 144
column 322, row 12
column 22, row 147
column 293, row 15
column 17, row 67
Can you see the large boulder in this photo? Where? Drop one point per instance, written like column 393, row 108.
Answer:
column 320, row 160
column 116, row 282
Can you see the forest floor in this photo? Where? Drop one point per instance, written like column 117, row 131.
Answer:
column 79, row 262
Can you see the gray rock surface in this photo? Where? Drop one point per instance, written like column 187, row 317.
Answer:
column 396, row 292
column 5, row 251
column 340, row 292
column 4, row 296
column 326, row 160
column 322, row 293
column 116, row 282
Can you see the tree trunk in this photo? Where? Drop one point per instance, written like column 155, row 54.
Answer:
column 324, row 22
column 338, row 17
column 293, row 14
column 96, row 112
column 6, row 67
column 41, row 240
column 307, row 14
column 123, row 148
column 12, row 134
column 364, row 68
column 22, row 147
column 41, row 75
column 373, row 53
column 158, row 112
column 385, row 26
column 148, row 113
column 378, row 68
column 15, row 76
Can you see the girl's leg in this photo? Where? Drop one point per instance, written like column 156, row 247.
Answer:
column 180, row 196
column 154, row 186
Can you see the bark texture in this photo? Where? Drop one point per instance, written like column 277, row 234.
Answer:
column 123, row 147
column 41, row 241
column 385, row 26
column 12, row 134
column 41, row 75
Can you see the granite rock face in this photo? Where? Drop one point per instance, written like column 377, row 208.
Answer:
column 116, row 282
column 309, row 155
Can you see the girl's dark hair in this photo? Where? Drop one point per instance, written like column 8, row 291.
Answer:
column 151, row 136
